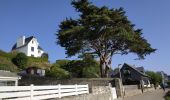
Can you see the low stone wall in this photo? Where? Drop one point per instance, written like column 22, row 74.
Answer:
column 131, row 90
column 149, row 89
column 104, row 96
column 98, row 93
column 100, row 89
column 95, row 84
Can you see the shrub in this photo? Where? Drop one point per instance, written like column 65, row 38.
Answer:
column 91, row 72
column 57, row 72
column 155, row 77
column 20, row 60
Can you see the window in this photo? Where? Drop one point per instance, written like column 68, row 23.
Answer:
column 32, row 42
column 39, row 51
column 32, row 55
column 32, row 48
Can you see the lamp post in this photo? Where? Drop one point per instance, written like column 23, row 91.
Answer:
column 120, row 76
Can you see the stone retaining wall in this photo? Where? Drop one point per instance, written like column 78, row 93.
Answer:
column 100, row 89
column 104, row 96
column 131, row 90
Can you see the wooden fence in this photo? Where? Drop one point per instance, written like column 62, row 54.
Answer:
column 41, row 92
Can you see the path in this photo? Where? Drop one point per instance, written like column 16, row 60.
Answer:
column 154, row 95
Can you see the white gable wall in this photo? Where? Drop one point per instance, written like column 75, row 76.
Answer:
column 36, row 53
column 33, row 43
column 23, row 50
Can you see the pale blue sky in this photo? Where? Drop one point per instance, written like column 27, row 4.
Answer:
column 42, row 17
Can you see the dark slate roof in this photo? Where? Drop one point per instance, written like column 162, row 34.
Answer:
column 143, row 74
column 40, row 48
column 7, row 74
column 141, row 69
column 27, row 40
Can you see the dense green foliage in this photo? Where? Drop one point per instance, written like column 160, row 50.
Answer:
column 85, row 68
column 155, row 77
column 63, row 63
column 20, row 60
column 57, row 72
column 102, row 32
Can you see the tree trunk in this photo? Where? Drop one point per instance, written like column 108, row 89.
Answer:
column 105, row 65
column 102, row 69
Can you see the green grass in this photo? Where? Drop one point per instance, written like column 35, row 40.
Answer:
column 7, row 64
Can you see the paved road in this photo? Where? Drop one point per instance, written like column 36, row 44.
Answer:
column 154, row 95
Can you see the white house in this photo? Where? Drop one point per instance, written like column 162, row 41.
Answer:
column 29, row 46
column 8, row 78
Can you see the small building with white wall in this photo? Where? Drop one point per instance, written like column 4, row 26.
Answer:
column 29, row 46
column 8, row 78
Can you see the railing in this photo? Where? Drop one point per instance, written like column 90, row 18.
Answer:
column 41, row 92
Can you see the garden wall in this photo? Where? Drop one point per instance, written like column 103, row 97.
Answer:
column 99, row 88
column 92, row 82
column 131, row 90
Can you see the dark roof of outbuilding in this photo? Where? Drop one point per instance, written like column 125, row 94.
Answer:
column 143, row 74
column 7, row 74
column 141, row 69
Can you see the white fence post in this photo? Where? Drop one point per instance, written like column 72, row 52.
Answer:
column 76, row 89
column 87, row 88
column 59, row 91
column 31, row 92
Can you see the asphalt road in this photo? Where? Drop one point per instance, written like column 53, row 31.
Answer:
column 154, row 95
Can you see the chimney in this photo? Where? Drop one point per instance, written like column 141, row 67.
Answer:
column 21, row 41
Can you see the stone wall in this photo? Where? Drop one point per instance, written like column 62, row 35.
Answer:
column 94, row 83
column 131, row 90
column 149, row 89
column 105, row 96
column 98, row 93
column 100, row 89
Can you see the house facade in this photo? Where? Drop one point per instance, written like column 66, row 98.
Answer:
column 132, row 75
column 29, row 46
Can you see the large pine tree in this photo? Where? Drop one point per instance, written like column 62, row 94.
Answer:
column 103, row 32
